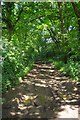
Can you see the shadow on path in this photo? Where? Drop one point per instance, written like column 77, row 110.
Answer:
column 44, row 93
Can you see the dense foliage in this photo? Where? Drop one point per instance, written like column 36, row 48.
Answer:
column 40, row 30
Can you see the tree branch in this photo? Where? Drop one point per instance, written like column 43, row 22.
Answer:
column 51, row 35
column 4, row 27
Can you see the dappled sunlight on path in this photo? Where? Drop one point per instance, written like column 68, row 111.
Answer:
column 44, row 93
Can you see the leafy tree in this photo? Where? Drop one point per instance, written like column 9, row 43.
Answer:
column 38, row 30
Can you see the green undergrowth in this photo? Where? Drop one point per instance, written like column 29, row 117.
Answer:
column 71, row 68
column 12, row 78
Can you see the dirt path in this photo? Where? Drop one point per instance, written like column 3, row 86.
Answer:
column 44, row 93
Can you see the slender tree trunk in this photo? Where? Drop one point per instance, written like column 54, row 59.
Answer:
column 61, row 16
column 77, row 13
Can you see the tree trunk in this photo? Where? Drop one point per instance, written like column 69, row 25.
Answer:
column 61, row 16
column 77, row 13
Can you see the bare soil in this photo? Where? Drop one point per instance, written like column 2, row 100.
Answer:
column 43, row 93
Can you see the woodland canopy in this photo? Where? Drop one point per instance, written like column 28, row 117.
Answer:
column 33, row 31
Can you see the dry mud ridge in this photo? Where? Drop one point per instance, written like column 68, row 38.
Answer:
column 43, row 93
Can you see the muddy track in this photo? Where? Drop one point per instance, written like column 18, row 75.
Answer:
column 43, row 93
